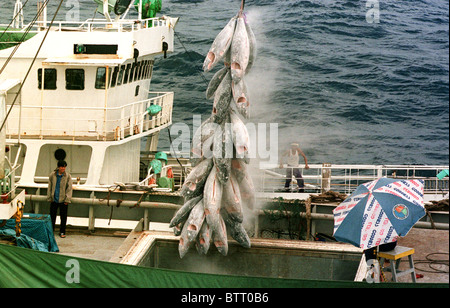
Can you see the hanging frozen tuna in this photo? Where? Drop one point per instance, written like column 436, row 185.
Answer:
column 219, row 187
column 220, row 46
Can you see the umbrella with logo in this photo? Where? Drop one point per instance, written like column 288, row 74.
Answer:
column 378, row 212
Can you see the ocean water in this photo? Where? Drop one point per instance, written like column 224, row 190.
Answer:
column 349, row 90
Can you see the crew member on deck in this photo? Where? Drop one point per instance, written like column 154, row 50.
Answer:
column 292, row 155
column 59, row 193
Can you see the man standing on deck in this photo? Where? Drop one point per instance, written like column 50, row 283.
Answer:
column 292, row 166
column 59, row 193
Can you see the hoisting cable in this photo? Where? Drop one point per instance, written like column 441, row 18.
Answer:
column 32, row 63
column 190, row 58
column 22, row 39
column 14, row 18
column 176, row 157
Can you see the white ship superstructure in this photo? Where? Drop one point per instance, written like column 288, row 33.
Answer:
column 86, row 97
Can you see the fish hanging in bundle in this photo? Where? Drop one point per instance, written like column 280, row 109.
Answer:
column 241, row 98
column 240, row 51
column 222, row 99
column 220, row 237
column 203, row 239
column 219, row 186
column 220, row 45
column 231, row 199
column 202, row 142
column 212, row 200
column 241, row 138
column 215, row 82
column 193, row 185
column 223, row 151
column 195, row 220
column 237, row 231
column 253, row 47
column 182, row 214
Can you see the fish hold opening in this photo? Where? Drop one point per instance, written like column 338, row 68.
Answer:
column 192, row 228
column 192, row 186
column 202, row 241
column 207, row 212
column 181, row 241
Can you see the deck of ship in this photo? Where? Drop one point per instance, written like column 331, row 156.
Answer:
column 108, row 244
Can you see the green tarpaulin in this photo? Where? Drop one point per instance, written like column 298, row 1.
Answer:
column 21, row 267
column 12, row 37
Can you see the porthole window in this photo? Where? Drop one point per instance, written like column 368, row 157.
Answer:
column 136, row 92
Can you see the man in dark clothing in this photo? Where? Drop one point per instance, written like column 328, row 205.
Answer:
column 59, row 193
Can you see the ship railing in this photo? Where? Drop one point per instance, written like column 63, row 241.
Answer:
column 345, row 178
column 91, row 25
column 93, row 123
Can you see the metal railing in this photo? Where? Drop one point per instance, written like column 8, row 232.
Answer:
column 96, row 123
column 345, row 178
column 91, row 25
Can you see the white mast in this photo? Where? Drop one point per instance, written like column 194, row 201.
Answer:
column 18, row 15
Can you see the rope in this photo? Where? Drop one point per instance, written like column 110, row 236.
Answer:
column 431, row 262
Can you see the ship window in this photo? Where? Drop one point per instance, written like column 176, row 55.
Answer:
column 133, row 69
column 120, row 80
column 49, row 79
column 144, row 75
column 136, row 71
column 75, row 79
column 114, row 77
column 141, row 74
column 151, row 69
column 127, row 74
column 100, row 80
column 109, row 75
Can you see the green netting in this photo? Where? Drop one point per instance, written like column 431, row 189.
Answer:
column 12, row 37
column 20, row 267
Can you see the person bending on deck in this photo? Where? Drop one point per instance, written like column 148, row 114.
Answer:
column 59, row 193
column 292, row 155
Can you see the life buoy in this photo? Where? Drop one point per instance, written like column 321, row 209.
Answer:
column 121, row 6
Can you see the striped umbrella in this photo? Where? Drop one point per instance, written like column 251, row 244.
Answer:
column 378, row 212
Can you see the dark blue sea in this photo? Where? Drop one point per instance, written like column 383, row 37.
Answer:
column 353, row 83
